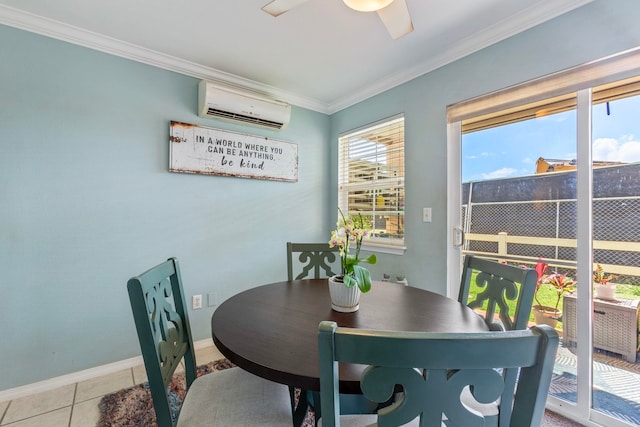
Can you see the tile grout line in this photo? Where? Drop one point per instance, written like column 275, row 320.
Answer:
column 73, row 403
column 4, row 414
column 133, row 376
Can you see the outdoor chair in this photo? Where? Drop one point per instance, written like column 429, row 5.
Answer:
column 499, row 284
column 231, row 397
column 432, row 370
column 315, row 260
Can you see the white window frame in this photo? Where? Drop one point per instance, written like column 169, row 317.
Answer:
column 394, row 246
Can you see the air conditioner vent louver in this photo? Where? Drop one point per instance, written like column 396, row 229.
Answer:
column 241, row 106
column 212, row 112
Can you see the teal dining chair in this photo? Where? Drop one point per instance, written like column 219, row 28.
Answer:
column 316, row 260
column 499, row 285
column 231, row 397
column 505, row 291
column 432, row 370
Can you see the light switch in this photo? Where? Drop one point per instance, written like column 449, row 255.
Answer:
column 426, row 214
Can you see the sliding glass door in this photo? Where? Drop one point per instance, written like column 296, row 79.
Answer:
column 556, row 181
column 616, row 250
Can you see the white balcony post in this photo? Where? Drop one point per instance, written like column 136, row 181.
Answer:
column 502, row 243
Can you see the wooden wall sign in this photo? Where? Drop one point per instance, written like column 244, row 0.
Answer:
column 209, row 151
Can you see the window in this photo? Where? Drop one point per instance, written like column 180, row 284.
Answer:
column 371, row 180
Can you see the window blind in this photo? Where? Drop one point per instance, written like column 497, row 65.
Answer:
column 556, row 91
column 371, row 177
column 605, row 93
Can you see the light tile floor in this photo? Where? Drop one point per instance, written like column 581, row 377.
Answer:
column 76, row 405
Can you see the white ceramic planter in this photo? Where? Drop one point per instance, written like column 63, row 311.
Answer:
column 606, row 291
column 343, row 299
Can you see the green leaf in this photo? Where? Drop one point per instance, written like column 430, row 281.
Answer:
column 363, row 278
column 371, row 259
column 349, row 281
column 350, row 260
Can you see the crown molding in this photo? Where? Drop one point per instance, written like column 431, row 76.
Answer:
column 502, row 30
column 78, row 36
column 508, row 27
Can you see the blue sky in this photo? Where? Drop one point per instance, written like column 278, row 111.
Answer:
column 512, row 150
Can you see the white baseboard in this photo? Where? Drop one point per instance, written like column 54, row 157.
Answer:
column 87, row 374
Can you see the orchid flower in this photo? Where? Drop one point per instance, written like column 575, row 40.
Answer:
column 352, row 231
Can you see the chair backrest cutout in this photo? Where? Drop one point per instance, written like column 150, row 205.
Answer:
column 499, row 285
column 317, row 260
column 434, row 368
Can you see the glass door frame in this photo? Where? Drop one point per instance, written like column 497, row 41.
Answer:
column 580, row 80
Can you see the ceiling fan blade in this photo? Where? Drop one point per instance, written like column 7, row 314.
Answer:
column 278, row 7
column 396, row 18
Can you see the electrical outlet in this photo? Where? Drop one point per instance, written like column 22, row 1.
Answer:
column 196, row 301
column 426, row 214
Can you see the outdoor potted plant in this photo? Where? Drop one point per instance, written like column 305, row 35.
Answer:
column 541, row 313
column 345, row 288
column 604, row 288
column 562, row 284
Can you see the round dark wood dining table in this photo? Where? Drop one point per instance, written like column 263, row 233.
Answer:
column 272, row 330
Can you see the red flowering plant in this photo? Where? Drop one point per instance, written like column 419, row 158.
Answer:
column 562, row 284
column 541, row 269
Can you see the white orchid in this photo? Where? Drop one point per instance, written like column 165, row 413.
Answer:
column 352, row 231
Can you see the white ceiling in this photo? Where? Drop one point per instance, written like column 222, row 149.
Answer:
column 321, row 55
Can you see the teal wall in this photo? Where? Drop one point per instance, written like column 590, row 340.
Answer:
column 87, row 200
column 599, row 29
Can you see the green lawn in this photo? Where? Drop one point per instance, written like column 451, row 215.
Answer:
column 628, row 291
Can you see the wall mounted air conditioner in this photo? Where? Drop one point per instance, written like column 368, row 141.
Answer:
column 223, row 102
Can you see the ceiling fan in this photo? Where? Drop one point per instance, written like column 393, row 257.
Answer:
column 394, row 13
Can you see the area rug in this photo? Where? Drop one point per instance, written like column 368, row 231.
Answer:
column 133, row 407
